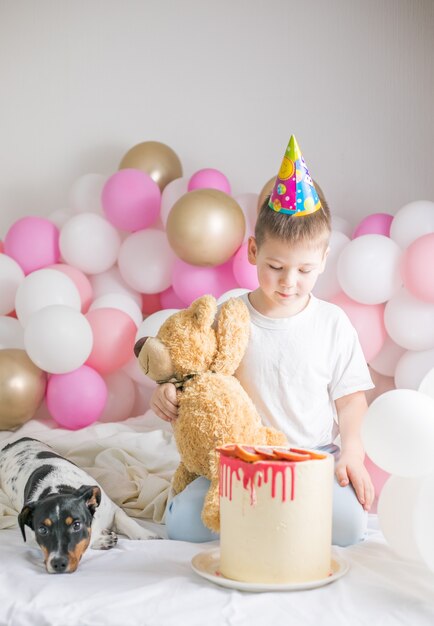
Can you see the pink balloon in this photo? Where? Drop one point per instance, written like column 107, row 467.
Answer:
column 209, row 179
column 76, row 399
column 378, row 477
column 375, row 224
column 131, row 200
column 245, row 273
column 33, row 242
column 192, row 281
column 114, row 335
column 80, row 280
column 368, row 320
column 169, row 300
column 151, row 303
column 416, row 268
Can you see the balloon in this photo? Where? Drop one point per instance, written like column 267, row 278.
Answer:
column 151, row 325
column 385, row 361
column 119, row 301
column 427, row 384
column 418, row 257
column 244, row 272
column 90, row 243
column 58, row 339
column 398, row 432
column 248, row 203
column 171, row 194
column 111, row 281
column 411, row 222
column 342, row 225
column 205, row 227
column 85, row 193
column 368, row 321
column 410, row 322
column 375, row 224
column 209, row 178
column 33, row 242
column 327, row 286
column 265, row 191
column 11, row 333
column 382, row 384
column 146, row 261
column 156, row 159
column 232, row 293
column 22, row 388
column 113, row 339
column 378, row 477
column 141, row 405
column 80, row 280
column 412, row 368
column 169, row 300
column 131, row 200
column 59, row 217
column 76, row 399
column 11, row 276
column 44, row 288
column 120, row 399
column 191, row 282
column 151, row 302
column 368, row 269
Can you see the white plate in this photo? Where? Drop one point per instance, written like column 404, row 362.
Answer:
column 207, row 564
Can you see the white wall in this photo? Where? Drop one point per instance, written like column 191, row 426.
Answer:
column 224, row 83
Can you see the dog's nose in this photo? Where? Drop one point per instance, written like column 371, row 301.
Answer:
column 59, row 564
column 138, row 345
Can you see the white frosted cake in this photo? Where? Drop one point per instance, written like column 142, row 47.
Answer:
column 275, row 514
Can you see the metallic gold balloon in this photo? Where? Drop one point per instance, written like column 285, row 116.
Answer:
column 267, row 188
column 205, row 227
column 22, row 388
column 156, row 159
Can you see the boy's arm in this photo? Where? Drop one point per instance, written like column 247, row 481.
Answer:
column 350, row 467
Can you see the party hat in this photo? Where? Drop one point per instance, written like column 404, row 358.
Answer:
column 294, row 192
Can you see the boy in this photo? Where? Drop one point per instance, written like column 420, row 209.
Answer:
column 303, row 363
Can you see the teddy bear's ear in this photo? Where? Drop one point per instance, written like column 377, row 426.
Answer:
column 233, row 328
column 203, row 311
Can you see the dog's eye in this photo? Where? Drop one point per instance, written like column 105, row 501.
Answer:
column 76, row 526
column 42, row 530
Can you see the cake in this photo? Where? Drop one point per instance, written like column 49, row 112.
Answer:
column 275, row 514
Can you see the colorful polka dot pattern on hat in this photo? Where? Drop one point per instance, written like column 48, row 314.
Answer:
column 294, row 192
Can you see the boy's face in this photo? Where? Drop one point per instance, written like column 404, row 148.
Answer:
column 287, row 273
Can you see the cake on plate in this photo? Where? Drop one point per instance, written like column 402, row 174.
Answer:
column 275, row 514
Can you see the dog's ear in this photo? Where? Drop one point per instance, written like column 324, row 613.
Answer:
column 25, row 518
column 92, row 496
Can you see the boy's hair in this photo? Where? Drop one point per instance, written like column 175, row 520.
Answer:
column 314, row 227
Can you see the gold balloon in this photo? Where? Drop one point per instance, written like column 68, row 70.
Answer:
column 22, row 388
column 205, row 227
column 268, row 187
column 156, row 159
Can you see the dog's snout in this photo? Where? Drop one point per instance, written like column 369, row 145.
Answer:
column 138, row 345
column 58, row 564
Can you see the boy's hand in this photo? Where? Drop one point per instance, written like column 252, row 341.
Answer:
column 164, row 402
column 351, row 468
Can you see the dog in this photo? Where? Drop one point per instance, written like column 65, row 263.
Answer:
column 65, row 507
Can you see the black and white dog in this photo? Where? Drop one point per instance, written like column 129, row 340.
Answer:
column 65, row 506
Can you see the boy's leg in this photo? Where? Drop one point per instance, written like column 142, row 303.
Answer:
column 183, row 515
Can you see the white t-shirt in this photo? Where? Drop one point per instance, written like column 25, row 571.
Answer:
column 294, row 368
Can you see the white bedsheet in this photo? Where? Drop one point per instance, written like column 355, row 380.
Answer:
column 152, row 583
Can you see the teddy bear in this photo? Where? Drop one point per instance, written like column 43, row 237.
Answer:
column 199, row 351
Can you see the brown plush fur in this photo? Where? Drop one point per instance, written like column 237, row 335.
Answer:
column 213, row 407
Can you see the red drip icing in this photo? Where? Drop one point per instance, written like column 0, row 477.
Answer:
column 232, row 465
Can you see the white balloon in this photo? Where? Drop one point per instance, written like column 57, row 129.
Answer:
column 232, row 293
column 151, row 324
column 424, row 521
column 44, row 288
column 58, row 339
column 327, row 286
column 11, row 333
column 59, row 217
column 170, row 194
column 146, row 261
column 111, row 281
column 385, row 361
column 119, row 301
column 368, row 269
column 249, row 205
column 121, row 395
column 398, row 432
column 85, row 193
column 412, row 367
column 11, row 277
column 342, row 225
column 412, row 221
column 90, row 243
column 427, row 384
column 410, row 322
